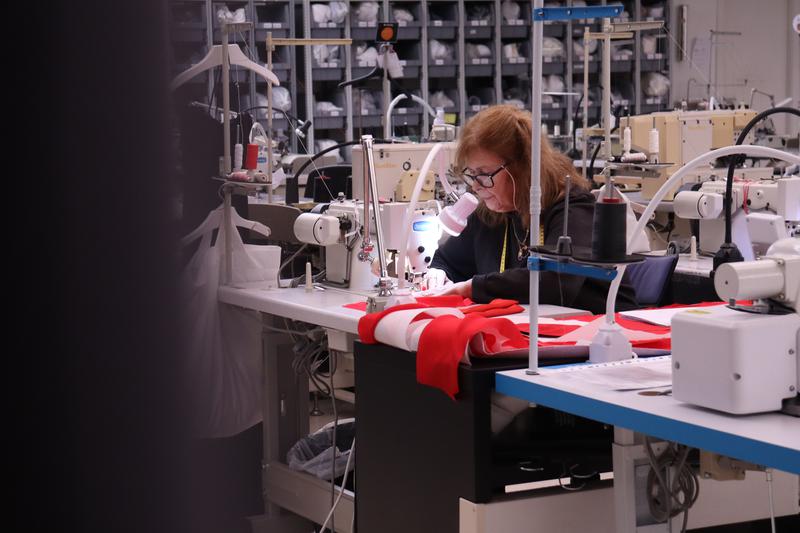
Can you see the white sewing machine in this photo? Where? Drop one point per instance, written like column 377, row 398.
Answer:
column 763, row 212
column 340, row 230
column 744, row 361
column 684, row 135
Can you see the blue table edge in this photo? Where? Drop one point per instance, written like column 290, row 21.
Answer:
column 743, row 448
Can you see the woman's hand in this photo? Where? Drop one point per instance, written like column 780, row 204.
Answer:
column 463, row 289
column 435, row 279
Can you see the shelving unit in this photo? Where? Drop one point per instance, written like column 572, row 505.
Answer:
column 471, row 83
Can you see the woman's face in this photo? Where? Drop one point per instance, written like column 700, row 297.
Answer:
column 500, row 197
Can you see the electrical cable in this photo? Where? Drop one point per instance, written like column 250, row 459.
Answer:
column 590, row 170
column 768, row 471
column 344, row 481
column 660, row 497
column 736, row 160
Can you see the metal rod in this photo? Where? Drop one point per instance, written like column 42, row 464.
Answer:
column 226, row 216
column 366, row 241
column 269, row 118
column 535, row 192
column 226, row 101
column 373, row 187
column 606, row 82
column 585, row 99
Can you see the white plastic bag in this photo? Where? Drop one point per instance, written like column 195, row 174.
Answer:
column 510, row 10
column 367, row 12
column 402, row 15
column 321, row 13
column 655, row 84
column 440, row 50
column 440, row 99
column 225, row 362
column 552, row 47
column 338, row 12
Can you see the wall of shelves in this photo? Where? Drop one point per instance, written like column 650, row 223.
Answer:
column 473, row 52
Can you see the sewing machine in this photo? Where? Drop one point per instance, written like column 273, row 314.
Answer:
column 763, row 212
column 339, row 228
column 397, row 167
column 744, row 360
column 684, row 135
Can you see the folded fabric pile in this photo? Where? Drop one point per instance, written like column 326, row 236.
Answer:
column 447, row 330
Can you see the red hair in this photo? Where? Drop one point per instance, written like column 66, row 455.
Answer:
column 505, row 131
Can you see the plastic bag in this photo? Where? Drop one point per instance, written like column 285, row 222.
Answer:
column 649, row 44
column 402, row 15
column 440, row 99
column 366, row 54
column 224, row 370
column 511, row 50
column 477, row 51
column 322, row 144
column 440, row 50
column 554, row 83
column 367, row 12
column 577, row 47
column 321, row 13
column 510, row 10
column 552, row 47
column 338, row 12
column 313, row 454
column 655, row 84
column 324, row 53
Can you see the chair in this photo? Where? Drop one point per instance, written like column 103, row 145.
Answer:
column 650, row 279
column 338, row 178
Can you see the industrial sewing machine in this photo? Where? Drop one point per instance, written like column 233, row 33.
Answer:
column 346, row 228
column 763, row 212
column 744, row 359
column 683, row 135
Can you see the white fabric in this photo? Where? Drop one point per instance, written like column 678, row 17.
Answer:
column 655, row 84
column 366, row 54
column 440, row 50
column 649, row 44
column 338, row 12
column 321, row 13
column 323, row 144
column 402, row 15
column 511, row 50
column 477, row 51
column 440, row 99
column 281, row 98
column 552, row 47
column 324, row 53
column 325, row 107
column 577, row 47
column 367, row 12
column 555, row 83
column 510, row 10
column 224, row 369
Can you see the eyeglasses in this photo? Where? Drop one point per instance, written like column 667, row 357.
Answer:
column 485, row 180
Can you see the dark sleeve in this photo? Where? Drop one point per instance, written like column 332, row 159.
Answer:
column 457, row 255
column 557, row 289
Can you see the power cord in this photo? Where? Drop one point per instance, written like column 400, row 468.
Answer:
column 664, row 501
column 341, row 491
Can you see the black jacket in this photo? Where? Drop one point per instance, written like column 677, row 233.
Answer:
column 475, row 254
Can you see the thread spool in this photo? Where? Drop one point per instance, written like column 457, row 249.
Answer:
column 608, row 231
column 557, row 131
column 238, row 152
column 653, row 144
column 252, row 157
column 626, row 139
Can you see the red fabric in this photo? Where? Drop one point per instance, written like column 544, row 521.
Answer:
column 368, row 323
column 444, row 341
column 453, row 300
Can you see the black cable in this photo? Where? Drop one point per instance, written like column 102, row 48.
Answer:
column 334, row 147
column 736, row 160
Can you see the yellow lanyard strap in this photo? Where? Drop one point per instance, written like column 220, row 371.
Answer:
column 505, row 244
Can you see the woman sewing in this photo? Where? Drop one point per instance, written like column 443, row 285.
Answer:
column 488, row 260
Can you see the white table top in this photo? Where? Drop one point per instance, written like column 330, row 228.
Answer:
column 325, row 307
column 771, row 439
column 701, row 266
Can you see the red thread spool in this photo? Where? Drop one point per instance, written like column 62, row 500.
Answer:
column 251, row 163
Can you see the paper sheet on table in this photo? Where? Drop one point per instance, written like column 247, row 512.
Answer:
column 633, row 374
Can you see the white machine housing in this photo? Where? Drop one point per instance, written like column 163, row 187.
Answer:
column 397, row 167
column 773, row 213
column 338, row 229
column 742, row 362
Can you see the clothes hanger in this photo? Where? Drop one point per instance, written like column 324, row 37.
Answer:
column 214, row 59
column 213, row 220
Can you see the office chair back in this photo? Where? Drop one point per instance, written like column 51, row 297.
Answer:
column 650, row 279
column 338, row 178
